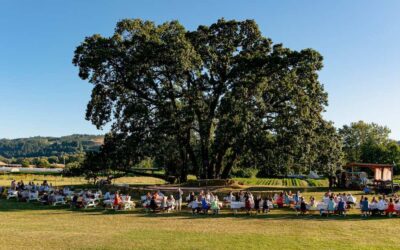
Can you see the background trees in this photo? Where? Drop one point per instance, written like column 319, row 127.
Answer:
column 49, row 146
column 204, row 101
column 369, row 143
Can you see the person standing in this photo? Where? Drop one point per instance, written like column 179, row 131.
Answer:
column 178, row 199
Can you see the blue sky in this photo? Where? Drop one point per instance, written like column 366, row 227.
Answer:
column 41, row 94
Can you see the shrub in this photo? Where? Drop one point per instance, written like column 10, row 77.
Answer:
column 244, row 173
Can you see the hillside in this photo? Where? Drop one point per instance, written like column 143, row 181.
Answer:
column 49, row 146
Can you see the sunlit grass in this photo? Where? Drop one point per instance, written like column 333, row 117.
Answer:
column 59, row 180
column 33, row 226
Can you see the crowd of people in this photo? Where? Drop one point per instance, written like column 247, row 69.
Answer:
column 158, row 201
column 380, row 206
column 205, row 202
column 46, row 194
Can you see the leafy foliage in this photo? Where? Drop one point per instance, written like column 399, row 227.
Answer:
column 369, row 143
column 202, row 102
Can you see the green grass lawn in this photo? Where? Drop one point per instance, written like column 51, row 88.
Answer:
column 33, row 226
column 58, row 180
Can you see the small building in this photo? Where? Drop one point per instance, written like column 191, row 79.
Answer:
column 358, row 175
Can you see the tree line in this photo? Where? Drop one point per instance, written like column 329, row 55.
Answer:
column 49, row 146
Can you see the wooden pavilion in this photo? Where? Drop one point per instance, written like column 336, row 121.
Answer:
column 356, row 175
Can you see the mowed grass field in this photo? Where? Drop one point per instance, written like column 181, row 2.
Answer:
column 33, row 226
column 58, row 180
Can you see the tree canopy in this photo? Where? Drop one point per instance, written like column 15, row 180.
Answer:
column 207, row 100
column 369, row 143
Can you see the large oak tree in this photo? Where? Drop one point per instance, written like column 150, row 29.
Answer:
column 204, row 101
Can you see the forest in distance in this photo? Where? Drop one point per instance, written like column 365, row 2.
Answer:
column 44, row 151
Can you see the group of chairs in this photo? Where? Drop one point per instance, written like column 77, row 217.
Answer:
column 75, row 199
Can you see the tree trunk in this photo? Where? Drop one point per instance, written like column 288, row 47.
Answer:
column 228, row 166
column 218, row 161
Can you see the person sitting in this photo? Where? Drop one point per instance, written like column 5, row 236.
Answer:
column 247, row 204
column 215, row 206
column 74, row 201
column 21, row 185
column 230, row 197
column 390, row 208
column 204, row 206
column 312, row 205
column 170, row 203
column 303, row 206
column 195, row 206
column 279, row 200
column 52, row 198
column 287, row 199
column 164, row 206
column 331, row 206
column 382, row 205
column 153, row 204
column 326, row 198
column 297, row 197
column 156, row 196
column 23, row 195
column 45, row 199
column 365, row 207
column 373, row 206
column 351, row 200
column 13, row 185
column 117, row 201
column 191, row 197
column 107, row 196
column 265, row 208
column 341, row 207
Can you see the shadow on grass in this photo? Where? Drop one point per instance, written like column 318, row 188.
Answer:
column 281, row 214
column 284, row 214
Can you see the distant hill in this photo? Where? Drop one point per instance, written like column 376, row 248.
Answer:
column 49, row 146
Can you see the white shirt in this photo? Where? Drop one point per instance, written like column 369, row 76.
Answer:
column 382, row 205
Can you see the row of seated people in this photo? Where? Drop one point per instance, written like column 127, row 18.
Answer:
column 47, row 195
column 331, row 203
column 289, row 199
column 380, row 206
column 19, row 186
column 204, row 202
column 84, row 198
column 54, row 196
column 246, row 200
column 32, row 192
column 158, row 201
column 118, row 201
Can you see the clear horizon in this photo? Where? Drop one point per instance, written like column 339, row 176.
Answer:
column 41, row 93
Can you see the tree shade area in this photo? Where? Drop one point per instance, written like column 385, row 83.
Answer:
column 205, row 101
